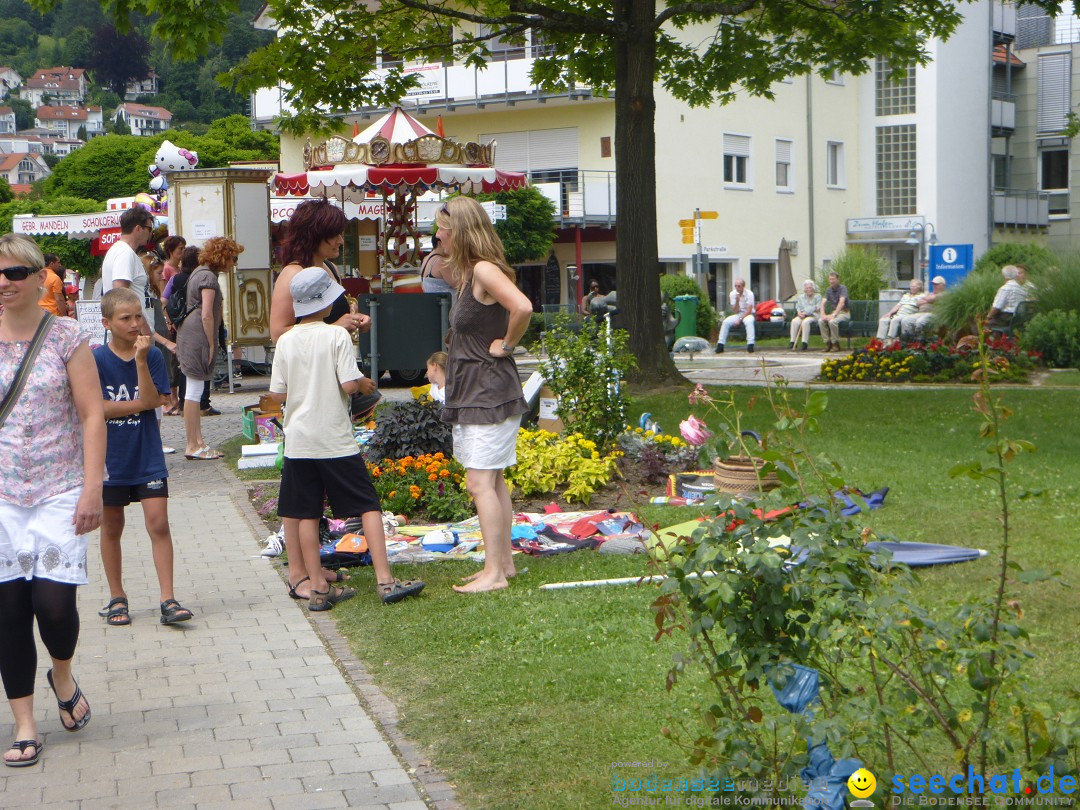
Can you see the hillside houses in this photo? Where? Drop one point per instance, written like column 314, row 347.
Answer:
column 65, row 121
column 143, row 119
column 56, row 85
column 10, row 81
column 21, row 170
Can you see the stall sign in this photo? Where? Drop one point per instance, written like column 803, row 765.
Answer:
column 88, row 313
column 66, row 224
column 100, row 245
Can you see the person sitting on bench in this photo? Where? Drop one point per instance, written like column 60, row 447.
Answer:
column 742, row 307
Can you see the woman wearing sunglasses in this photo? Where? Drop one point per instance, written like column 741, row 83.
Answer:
column 484, row 402
column 52, row 441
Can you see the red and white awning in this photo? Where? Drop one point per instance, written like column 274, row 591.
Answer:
column 352, row 181
column 74, row 226
column 397, row 126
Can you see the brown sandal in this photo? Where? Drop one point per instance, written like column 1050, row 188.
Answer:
column 396, row 590
column 324, row 600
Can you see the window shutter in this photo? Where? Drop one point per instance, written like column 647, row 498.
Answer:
column 783, row 151
column 536, row 150
column 511, row 150
column 738, row 145
column 1053, row 92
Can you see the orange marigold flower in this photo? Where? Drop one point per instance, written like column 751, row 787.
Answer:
column 392, row 494
column 444, row 473
column 440, row 455
column 433, row 477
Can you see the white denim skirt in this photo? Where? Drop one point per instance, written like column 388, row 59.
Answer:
column 40, row 541
column 487, row 447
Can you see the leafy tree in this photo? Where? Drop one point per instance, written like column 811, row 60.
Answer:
column 73, row 253
column 78, row 48
column 69, row 15
column 117, row 58
column 700, row 51
column 6, row 194
column 51, row 160
column 16, row 37
column 24, row 112
column 528, row 231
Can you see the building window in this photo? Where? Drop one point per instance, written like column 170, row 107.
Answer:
column 834, row 164
column 736, row 160
column 1053, row 92
column 895, row 169
column 1054, row 177
column 835, row 77
column 784, row 179
column 895, row 89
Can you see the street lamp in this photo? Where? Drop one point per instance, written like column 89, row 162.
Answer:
column 918, row 236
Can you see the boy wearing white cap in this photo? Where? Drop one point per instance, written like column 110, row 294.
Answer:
column 315, row 373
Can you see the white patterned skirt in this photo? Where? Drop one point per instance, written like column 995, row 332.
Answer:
column 487, row 447
column 40, row 541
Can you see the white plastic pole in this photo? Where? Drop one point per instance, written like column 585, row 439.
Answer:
column 597, row 583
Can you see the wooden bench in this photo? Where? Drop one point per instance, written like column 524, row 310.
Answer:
column 765, row 329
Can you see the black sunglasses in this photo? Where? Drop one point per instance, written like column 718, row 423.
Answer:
column 19, row 273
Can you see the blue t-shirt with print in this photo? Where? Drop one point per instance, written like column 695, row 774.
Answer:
column 133, row 454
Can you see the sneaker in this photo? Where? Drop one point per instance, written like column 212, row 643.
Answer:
column 275, row 544
column 750, row 348
column 719, row 348
column 167, row 450
column 211, row 411
column 805, row 346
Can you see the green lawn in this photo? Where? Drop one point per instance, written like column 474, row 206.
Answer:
column 525, row 698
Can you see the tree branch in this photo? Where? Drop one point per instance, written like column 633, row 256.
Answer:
column 714, row 7
column 528, row 14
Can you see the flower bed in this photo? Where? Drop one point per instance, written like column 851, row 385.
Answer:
column 431, row 484
column 931, row 362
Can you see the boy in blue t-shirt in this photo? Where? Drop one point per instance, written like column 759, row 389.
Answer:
column 134, row 382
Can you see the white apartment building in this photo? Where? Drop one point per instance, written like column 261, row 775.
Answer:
column 21, row 169
column 57, row 85
column 7, row 121
column 149, row 86
column 143, row 119
column 830, row 162
column 65, row 122
column 10, row 81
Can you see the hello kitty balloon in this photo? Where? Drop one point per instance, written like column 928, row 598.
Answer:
column 171, row 158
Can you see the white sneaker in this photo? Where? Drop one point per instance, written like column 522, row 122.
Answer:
column 275, row 544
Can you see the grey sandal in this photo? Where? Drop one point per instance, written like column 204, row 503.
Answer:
column 390, row 592
column 324, row 600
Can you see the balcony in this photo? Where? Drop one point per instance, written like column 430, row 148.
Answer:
column 1002, row 113
column 1021, row 208
column 503, row 81
column 1003, row 21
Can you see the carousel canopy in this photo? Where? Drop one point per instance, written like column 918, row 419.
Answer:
column 352, row 182
column 397, row 126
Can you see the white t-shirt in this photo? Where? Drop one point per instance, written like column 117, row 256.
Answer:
column 123, row 264
column 741, row 304
column 311, row 362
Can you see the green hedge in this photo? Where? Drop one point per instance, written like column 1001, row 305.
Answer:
column 672, row 285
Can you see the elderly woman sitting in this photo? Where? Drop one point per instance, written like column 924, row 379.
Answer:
column 807, row 304
column 889, row 326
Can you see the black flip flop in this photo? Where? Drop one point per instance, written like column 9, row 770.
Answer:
column 21, row 746
column 292, row 589
column 69, row 705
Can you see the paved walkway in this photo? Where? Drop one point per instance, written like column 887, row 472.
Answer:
column 246, row 706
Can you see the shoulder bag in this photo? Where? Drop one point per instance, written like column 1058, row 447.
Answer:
column 23, row 371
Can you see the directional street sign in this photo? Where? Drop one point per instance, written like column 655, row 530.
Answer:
column 687, row 223
column 708, row 214
column 688, row 235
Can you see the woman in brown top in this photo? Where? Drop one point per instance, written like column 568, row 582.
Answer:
column 196, row 340
column 483, row 391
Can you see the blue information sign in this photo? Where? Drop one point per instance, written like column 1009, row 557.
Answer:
column 953, row 262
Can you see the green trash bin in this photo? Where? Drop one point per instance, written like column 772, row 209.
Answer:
column 686, row 306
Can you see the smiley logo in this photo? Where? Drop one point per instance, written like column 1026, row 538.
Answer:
column 862, row 783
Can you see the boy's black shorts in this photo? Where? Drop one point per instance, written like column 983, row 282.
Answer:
column 133, row 493
column 343, row 481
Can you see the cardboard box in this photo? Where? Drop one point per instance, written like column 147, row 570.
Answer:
column 259, row 425
column 548, row 419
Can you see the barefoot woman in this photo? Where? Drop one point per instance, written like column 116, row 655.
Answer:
column 483, row 391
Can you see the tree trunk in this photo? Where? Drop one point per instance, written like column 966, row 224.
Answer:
column 636, row 253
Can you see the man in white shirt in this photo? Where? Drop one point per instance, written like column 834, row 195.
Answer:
column 123, row 268
column 1009, row 296
column 742, row 307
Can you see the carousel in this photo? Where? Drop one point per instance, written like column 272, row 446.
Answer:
column 394, row 163
column 398, row 160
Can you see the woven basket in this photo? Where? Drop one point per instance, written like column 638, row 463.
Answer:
column 738, row 474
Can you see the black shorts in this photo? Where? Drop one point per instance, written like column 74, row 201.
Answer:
column 133, row 493
column 343, row 481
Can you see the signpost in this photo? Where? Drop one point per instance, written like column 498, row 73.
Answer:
column 953, row 262
column 691, row 235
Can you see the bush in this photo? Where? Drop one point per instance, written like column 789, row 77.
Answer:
column 961, row 306
column 672, row 285
column 546, row 461
column 1056, row 336
column 1035, row 257
column 1059, row 287
column 432, row 484
column 532, row 333
column 409, row 428
column 583, row 369
column 862, row 270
